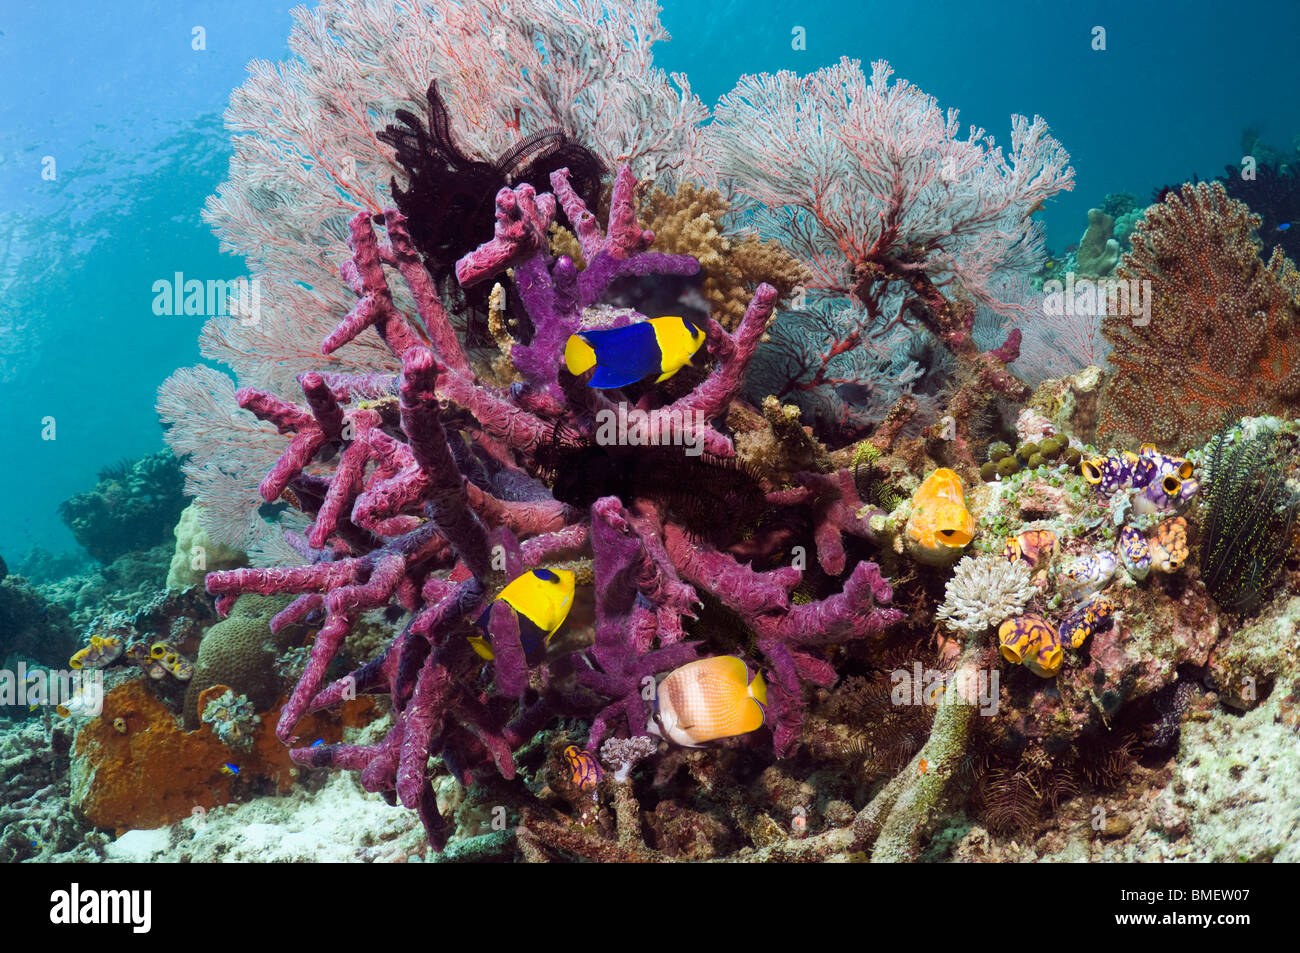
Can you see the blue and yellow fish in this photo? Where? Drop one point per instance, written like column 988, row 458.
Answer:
column 541, row 600
column 622, row 356
column 708, row 699
column 230, row 768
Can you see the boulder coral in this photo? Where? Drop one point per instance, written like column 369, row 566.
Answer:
column 240, row 652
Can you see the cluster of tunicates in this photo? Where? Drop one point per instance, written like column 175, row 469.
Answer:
column 1051, row 451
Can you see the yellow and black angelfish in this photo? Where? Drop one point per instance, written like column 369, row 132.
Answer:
column 541, row 599
column 622, row 356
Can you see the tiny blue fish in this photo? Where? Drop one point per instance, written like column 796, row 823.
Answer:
column 1284, row 226
column 318, row 742
column 228, row 768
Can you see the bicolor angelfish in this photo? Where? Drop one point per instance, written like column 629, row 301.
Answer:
column 622, row 356
column 708, row 699
column 541, row 600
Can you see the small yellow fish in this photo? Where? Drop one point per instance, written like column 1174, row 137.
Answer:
column 541, row 600
column 709, row 699
column 940, row 526
column 625, row 355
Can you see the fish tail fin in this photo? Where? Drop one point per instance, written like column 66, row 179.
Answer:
column 758, row 691
column 481, row 647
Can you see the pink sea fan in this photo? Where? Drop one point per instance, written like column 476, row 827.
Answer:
column 226, row 452
column 879, row 172
column 306, row 156
column 1053, row 343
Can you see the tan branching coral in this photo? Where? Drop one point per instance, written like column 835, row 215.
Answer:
column 1222, row 334
column 690, row 222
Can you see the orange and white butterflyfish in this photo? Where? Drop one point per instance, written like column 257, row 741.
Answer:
column 541, row 600
column 622, row 356
column 709, row 699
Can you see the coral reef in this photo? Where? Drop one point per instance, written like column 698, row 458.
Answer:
column 1273, row 193
column 1221, row 335
column 831, row 158
column 693, row 221
column 984, row 590
column 31, row 626
column 416, row 513
column 131, row 508
column 1250, row 516
column 824, row 360
column 34, row 821
column 775, row 521
column 239, row 652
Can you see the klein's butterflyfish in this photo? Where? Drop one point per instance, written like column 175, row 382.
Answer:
column 709, row 699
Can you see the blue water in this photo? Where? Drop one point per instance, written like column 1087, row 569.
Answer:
column 131, row 115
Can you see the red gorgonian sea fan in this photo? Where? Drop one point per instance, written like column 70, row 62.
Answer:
column 1223, row 333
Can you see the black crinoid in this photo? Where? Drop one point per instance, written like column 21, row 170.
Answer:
column 1249, row 516
column 449, row 197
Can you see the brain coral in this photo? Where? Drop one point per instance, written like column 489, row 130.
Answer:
column 240, row 652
